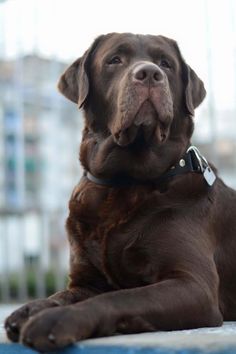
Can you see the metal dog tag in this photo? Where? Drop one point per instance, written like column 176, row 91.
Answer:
column 209, row 176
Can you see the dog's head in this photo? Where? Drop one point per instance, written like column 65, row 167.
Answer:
column 138, row 90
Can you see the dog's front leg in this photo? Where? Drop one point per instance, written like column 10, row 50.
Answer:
column 169, row 304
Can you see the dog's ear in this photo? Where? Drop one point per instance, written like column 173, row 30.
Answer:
column 194, row 88
column 69, row 83
column 74, row 83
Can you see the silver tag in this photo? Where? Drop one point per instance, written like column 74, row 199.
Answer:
column 209, row 176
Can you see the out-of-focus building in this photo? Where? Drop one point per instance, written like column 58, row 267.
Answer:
column 40, row 134
column 216, row 137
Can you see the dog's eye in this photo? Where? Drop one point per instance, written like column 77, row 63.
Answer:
column 114, row 60
column 165, row 63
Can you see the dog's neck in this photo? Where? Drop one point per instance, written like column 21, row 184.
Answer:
column 191, row 162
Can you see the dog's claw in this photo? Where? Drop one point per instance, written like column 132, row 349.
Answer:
column 51, row 338
column 28, row 341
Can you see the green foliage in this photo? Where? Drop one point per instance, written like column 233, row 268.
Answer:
column 32, row 284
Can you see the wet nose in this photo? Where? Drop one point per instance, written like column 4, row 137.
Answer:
column 147, row 74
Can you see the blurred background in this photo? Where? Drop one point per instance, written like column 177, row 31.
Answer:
column 40, row 130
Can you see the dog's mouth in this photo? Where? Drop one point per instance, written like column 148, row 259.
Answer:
column 146, row 115
column 146, row 125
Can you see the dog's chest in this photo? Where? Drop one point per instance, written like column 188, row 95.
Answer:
column 109, row 226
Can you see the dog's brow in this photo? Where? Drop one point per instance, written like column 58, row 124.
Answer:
column 157, row 51
column 123, row 48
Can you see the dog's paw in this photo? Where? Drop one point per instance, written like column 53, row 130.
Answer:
column 18, row 318
column 55, row 328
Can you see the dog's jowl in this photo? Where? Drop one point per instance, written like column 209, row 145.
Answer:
column 152, row 229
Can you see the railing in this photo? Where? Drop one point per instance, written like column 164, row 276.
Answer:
column 33, row 254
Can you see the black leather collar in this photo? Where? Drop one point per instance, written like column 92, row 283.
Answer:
column 192, row 161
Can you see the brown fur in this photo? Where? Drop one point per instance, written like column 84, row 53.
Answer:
column 147, row 256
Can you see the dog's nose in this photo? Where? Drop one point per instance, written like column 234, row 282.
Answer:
column 147, row 74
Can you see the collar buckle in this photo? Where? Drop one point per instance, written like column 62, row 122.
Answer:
column 203, row 166
column 202, row 162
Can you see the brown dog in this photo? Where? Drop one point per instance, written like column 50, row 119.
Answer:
column 152, row 233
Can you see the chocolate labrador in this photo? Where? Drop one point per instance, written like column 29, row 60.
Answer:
column 152, row 229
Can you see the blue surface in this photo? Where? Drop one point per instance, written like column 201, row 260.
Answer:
column 15, row 349
column 86, row 349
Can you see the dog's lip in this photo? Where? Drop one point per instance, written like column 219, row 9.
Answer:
column 146, row 114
